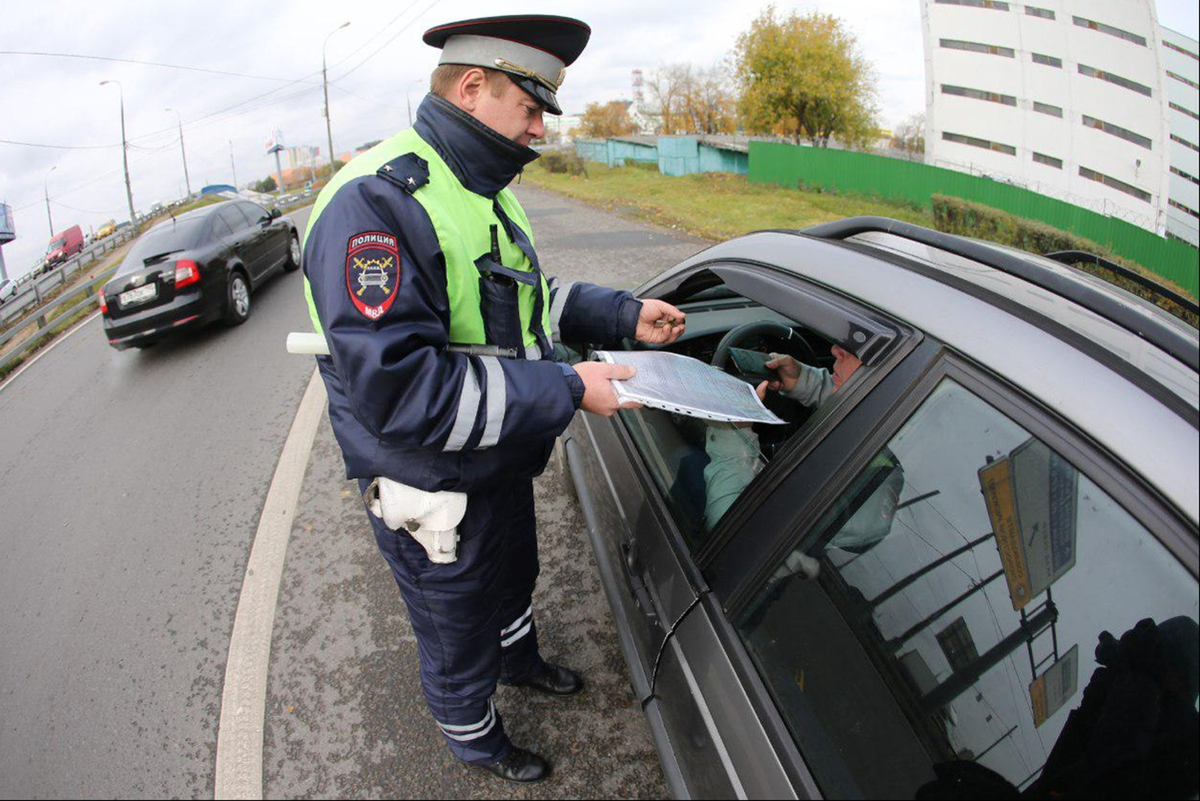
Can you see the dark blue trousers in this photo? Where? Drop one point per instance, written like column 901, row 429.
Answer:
column 473, row 619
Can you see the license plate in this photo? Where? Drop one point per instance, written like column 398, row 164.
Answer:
column 139, row 295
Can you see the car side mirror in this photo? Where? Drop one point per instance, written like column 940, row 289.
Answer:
column 276, row 214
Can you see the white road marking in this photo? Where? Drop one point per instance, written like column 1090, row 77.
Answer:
column 57, row 341
column 239, row 769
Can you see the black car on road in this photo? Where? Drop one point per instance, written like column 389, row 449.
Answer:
column 194, row 269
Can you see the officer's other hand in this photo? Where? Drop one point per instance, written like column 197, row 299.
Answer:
column 598, row 394
column 788, row 369
column 659, row 323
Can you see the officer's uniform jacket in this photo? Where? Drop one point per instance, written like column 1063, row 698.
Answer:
column 385, row 279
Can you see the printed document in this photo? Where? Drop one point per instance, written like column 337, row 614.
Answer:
column 688, row 386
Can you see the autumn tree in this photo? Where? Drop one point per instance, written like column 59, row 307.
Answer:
column 806, row 75
column 910, row 134
column 692, row 99
column 609, row 119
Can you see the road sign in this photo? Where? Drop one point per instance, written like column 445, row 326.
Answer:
column 1031, row 497
column 1049, row 691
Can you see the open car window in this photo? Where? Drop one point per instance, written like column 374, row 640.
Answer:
column 701, row 468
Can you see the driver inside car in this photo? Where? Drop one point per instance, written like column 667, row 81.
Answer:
column 733, row 452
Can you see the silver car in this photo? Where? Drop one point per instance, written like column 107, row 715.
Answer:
column 971, row 567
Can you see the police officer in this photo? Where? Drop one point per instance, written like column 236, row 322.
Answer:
column 444, row 391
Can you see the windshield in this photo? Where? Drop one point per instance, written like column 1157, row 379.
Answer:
column 169, row 237
column 55, row 244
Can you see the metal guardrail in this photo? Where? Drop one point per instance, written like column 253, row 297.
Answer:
column 34, row 290
column 46, row 325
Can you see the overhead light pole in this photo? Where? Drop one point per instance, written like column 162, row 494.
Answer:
column 183, row 152
column 408, row 99
column 46, row 189
column 233, row 165
column 124, row 152
column 325, row 83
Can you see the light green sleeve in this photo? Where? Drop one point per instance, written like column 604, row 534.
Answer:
column 733, row 462
column 813, row 387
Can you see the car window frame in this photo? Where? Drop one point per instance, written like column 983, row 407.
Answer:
column 910, row 384
column 1145, row 504
column 244, row 207
column 223, row 211
column 773, row 472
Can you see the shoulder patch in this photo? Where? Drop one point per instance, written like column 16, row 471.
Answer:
column 372, row 272
column 409, row 172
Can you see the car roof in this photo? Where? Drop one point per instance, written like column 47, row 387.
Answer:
column 1057, row 363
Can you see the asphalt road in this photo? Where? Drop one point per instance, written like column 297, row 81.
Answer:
column 131, row 486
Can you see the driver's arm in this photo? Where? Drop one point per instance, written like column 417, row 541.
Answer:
column 807, row 385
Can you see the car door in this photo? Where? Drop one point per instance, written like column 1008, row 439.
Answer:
column 274, row 236
column 958, row 604
column 655, row 525
column 245, row 242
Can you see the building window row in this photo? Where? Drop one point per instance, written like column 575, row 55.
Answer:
column 979, row 94
column 977, row 47
column 1113, row 183
column 1182, row 79
column 1117, row 131
column 1179, row 49
column 1050, row 161
column 1046, row 108
column 982, row 143
column 1182, row 207
column 994, row 5
column 1110, row 30
column 1184, row 142
column 1034, row 11
column 1183, row 174
column 1049, row 61
column 1117, row 80
column 1182, row 110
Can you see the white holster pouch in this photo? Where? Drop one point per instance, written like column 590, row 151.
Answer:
column 431, row 518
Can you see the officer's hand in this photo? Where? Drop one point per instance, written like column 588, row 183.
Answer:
column 788, row 369
column 659, row 322
column 598, row 394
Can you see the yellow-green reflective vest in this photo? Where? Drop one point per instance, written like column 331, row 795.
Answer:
column 462, row 221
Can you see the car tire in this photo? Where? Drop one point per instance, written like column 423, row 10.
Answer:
column 237, row 299
column 293, row 258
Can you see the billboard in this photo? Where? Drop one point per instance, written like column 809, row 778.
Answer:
column 8, row 231
column 275, row 141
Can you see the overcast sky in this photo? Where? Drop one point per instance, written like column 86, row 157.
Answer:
column 376, row 65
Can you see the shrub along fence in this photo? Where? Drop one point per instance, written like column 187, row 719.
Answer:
column 892, row 179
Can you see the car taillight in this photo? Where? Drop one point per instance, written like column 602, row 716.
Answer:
column 103, row 302
column 186, row 273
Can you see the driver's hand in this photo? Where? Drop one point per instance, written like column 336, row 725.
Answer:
column 659, row 323
column 788, row 369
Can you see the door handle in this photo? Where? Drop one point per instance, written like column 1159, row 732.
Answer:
column 633, row 574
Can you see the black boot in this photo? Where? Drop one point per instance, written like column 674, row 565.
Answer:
column 520, row 766
column 555, row 680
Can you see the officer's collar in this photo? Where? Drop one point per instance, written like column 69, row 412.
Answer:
column 483, row 160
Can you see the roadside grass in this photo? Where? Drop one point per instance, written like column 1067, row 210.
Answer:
column 712, row 205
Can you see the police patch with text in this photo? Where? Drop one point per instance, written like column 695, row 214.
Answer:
column 372, row 272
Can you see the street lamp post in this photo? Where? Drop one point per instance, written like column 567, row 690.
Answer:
column 124, row 152
column 183, row 152
column 408, row 99
column 325, row 83
column 46, row 189
column 233, row 165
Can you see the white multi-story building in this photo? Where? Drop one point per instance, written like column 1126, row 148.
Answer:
column 1181, row 65
column 1065, row 97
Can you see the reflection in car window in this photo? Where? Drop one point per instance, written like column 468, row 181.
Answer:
column 701, row 468
column 967, row 592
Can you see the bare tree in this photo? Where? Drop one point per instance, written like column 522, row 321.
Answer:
column 910, row 134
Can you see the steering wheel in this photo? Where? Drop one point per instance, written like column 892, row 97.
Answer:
column 745, row 331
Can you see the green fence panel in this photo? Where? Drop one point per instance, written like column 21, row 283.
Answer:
column 878, row 176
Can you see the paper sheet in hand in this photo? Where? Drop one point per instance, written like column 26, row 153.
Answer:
column 687, row 386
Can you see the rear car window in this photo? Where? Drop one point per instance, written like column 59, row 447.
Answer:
column 973, row 607
column 164, row 238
